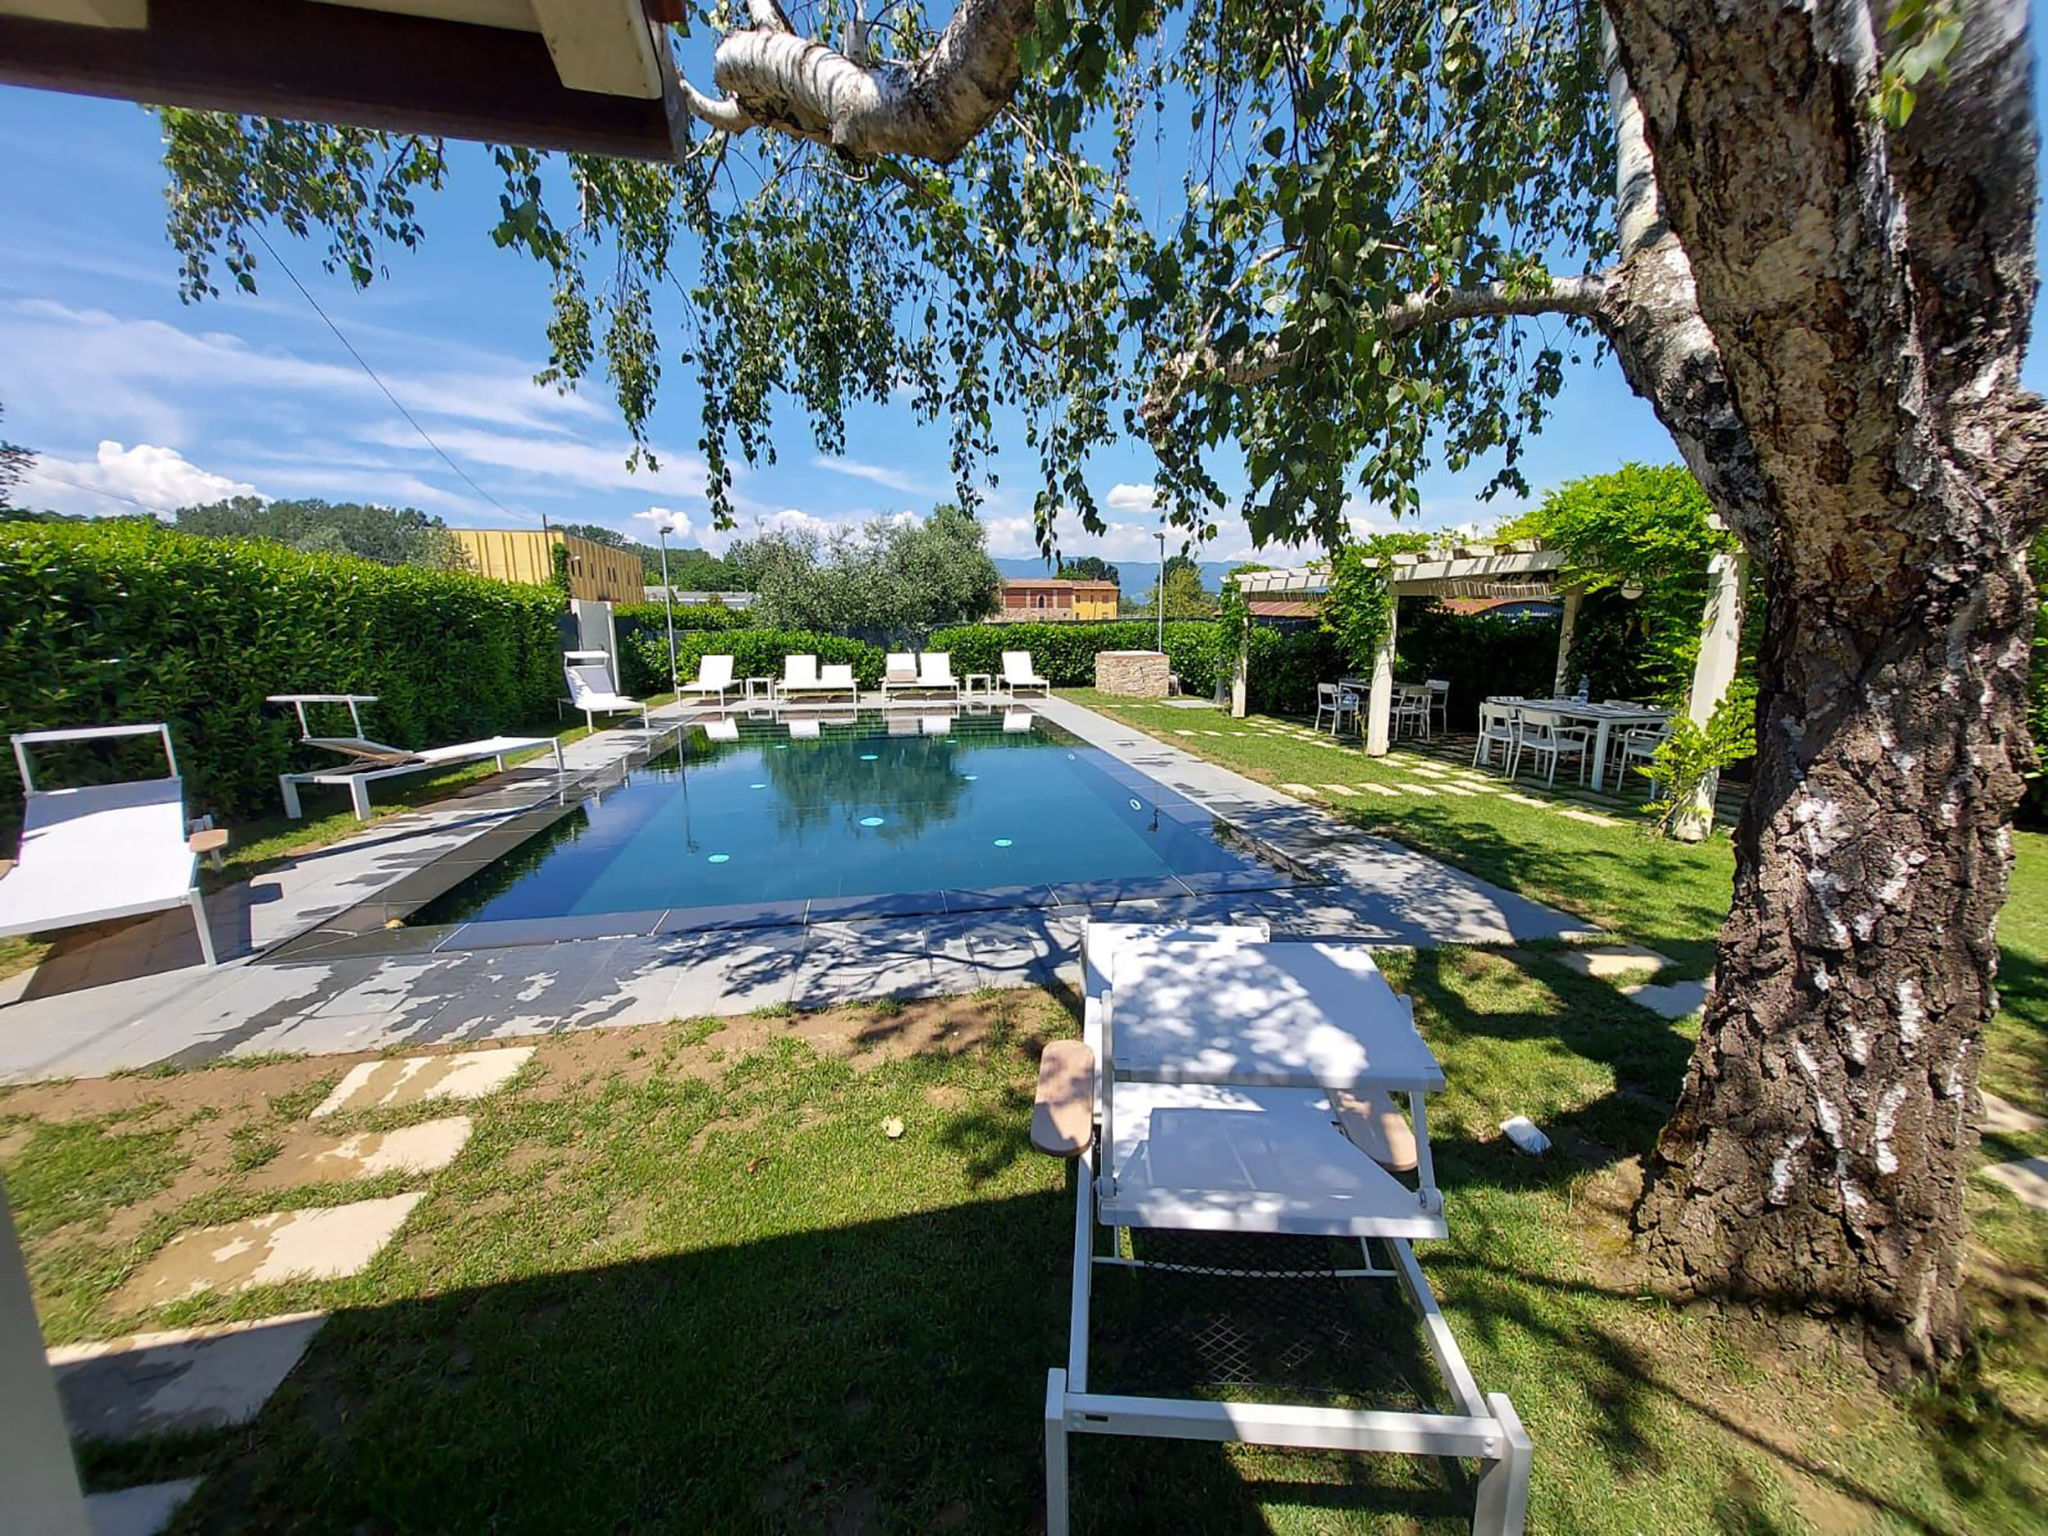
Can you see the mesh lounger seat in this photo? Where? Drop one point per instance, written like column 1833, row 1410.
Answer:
column 899, row 673
column 374, row 760
column 104, row 850
column 1020, row 677
column 1231, row 1089
column 589, row 676
column 935, row 674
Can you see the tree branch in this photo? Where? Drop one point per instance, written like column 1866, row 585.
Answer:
column 928, row 109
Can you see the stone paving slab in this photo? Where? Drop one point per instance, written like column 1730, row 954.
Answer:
column 425, row 1148
column 2006, row 1117
column 1670, row 1000
column 420, row 1079
column 178, row 1380
column 329, row 1243
column 1608, row 962
column 2027, row 1178
column 142, row 1511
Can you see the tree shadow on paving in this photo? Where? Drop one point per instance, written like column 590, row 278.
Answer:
column 888, row 1375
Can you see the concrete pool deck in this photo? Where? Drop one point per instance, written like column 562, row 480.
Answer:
column 137, row 997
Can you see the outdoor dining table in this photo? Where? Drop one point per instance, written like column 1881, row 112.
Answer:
column 1602, row 717
column 1266, row 1014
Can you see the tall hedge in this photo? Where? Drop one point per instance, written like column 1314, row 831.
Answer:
column 755, row 653
column 1064, row 653
column 117, row 622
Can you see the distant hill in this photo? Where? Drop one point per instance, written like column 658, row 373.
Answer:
column 1133, row 576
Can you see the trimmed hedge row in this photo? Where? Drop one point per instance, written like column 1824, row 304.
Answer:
column 754, row 652
column 636, row 622
column 114, row 623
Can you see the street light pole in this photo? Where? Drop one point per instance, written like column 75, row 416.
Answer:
column 668, row 604
column 1161, row 536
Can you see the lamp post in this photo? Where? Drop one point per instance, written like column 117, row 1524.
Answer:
column 1161, row 536
column 668, row 606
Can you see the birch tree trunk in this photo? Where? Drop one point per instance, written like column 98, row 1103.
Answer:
column 1868, row 294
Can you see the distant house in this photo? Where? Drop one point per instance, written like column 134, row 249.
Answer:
column 1034, row 601
column 597, row 572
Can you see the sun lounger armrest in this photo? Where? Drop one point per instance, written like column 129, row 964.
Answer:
column 1371, row 1123
column 1063, row 1114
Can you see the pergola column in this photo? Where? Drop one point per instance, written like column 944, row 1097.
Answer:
column 1720, row 650
column 1560, row 687
column 1379, row 709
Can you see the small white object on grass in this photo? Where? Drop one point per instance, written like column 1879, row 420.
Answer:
column 1521, row 1130
column 892, row 1128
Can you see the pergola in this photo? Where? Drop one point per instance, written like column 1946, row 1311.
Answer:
column 1521, row 569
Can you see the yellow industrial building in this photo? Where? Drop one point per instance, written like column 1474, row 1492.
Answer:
column 597, row 573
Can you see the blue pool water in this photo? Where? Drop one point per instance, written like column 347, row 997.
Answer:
column 953, row 813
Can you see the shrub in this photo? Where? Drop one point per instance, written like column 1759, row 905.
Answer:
column 124, row 622
column 754, row 652
column 643, row 669
column 1480, row 654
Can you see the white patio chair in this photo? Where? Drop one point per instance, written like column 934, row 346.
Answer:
column 899, row 673
column 1162, row 1151
column 1543, row 733
column 374, row 760
column 1020, row 677
column 935, row 673
column 1638, row 746
column 1411, row 710
column 1439, row 702
column 1334, row 700
column 104, row 850
column 589, row 676
column 1496, row 729
column 714, row 679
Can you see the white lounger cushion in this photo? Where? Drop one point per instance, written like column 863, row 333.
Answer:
column 1206, row 1158
column 103, row 851
column 899, row 667
column 935, row 670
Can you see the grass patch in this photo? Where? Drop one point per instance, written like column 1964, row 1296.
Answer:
column 682, row 1276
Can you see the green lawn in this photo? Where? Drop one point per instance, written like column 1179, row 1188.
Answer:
column 681, row 1278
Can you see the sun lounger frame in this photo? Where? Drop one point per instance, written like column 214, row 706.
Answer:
column 1482, row 1427
column 382, row 762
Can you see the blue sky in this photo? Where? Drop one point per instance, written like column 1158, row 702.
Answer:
column 130, row 397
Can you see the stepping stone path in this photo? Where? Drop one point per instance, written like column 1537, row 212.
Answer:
column 1591, row 818
column 1423, row 790
column 416, row 1079
column 324, row 1243
column 1617, row 962
column 2004, row 1116
column 188, row 1379
column 2027, row 1178
column 426, row 1148
column 210, row 1378
column 137, row 1511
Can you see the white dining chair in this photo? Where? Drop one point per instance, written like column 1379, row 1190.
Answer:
column 1439, row 702
column 1542, row 733
column 1638, row 746
column 1496, row 728
column 1336, row 702
column 1411, row 710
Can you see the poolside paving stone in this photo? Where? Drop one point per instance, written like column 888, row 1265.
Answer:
column 417, row 1079
column 178, row 1380
column 326, row 1243
column 2027, row 1178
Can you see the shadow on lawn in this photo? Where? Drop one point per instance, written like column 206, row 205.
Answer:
column 888, row 1375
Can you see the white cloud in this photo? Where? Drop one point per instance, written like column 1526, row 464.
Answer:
column 678, row 524
column 598, row 466
column 1131, row 498
column 120, row 480
column 877, row 474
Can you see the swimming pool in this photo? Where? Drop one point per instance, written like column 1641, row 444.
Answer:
column 874, row 813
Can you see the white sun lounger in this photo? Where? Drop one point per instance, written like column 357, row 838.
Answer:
column 1019, row 677
column 375, row 760
column 801, row 679
column 899, row 673
column 105, row 850
column 589, row 676
column 714, row 678
column 1228, row 1084
column 935, row 674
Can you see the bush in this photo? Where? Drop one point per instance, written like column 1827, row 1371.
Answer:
column 1064, row 654
column 754, row 652
column 1285, row 666
column 113, row 623
column 638, row 675
column 1480, row 654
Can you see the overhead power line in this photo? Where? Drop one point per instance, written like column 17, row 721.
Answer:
column 364, row 364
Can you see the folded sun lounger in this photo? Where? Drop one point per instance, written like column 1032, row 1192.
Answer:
column 374, row 760
column 105, row 850
column 588, row 674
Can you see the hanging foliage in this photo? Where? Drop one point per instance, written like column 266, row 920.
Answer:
column 1360, row 604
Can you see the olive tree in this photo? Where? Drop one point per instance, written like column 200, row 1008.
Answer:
column 1372, row 234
